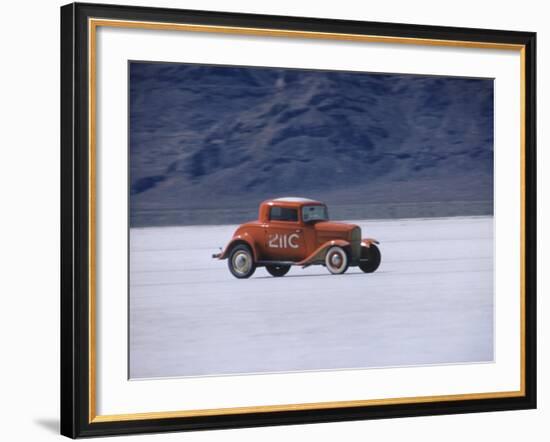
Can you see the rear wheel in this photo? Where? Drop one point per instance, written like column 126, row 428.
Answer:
column 370, row 258
column 336, row 260
column 241, row 262
column 277, row 270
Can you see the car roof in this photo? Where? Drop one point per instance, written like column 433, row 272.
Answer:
column 291, row 201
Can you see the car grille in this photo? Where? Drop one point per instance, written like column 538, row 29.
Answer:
column 355, row 243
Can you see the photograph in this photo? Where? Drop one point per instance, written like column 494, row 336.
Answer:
column 271, row 219
column 275, row 221
column 291, row 220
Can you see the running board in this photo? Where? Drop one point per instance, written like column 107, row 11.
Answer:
column 294, row 263
column 276, row 263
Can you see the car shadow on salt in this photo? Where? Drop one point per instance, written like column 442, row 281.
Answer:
column 316, row 275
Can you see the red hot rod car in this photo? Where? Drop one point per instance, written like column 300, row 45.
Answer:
column 297, row 232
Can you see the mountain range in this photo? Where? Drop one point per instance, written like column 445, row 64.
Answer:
column 208, row 143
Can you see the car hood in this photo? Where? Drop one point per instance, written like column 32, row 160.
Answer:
column 332, row 230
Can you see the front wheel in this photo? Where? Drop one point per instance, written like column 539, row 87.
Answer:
column 370, row 258
column 336, row 260
column 277, row 270
column 241, row 262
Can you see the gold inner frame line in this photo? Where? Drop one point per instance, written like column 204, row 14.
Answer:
column 92, row 34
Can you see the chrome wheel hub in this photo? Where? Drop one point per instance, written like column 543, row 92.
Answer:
column 336, row 260
column 242, row 262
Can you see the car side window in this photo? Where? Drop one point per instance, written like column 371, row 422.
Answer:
column 283, row 214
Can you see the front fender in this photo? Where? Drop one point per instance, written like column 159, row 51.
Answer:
column 367, row 242
column 244, row 238
column 319, row 253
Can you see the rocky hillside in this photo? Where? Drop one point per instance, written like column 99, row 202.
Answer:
column 208, row 143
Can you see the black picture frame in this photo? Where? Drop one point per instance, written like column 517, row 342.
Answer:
column 76, row 401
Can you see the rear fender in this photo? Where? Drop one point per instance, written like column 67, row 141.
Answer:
column 319, row 253
column 246, row 239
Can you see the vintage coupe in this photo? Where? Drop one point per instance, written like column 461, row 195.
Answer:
column 297, row 232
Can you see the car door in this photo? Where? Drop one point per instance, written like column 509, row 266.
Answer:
column 284, row 235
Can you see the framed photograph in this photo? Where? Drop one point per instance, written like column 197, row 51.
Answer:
column 274, row 220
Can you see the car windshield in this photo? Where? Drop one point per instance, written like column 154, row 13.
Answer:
column 314, row 213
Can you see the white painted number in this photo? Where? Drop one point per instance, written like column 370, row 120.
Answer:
column 278, row 241
column 292, row 237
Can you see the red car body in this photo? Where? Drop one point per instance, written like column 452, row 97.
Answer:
column 296, row 231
